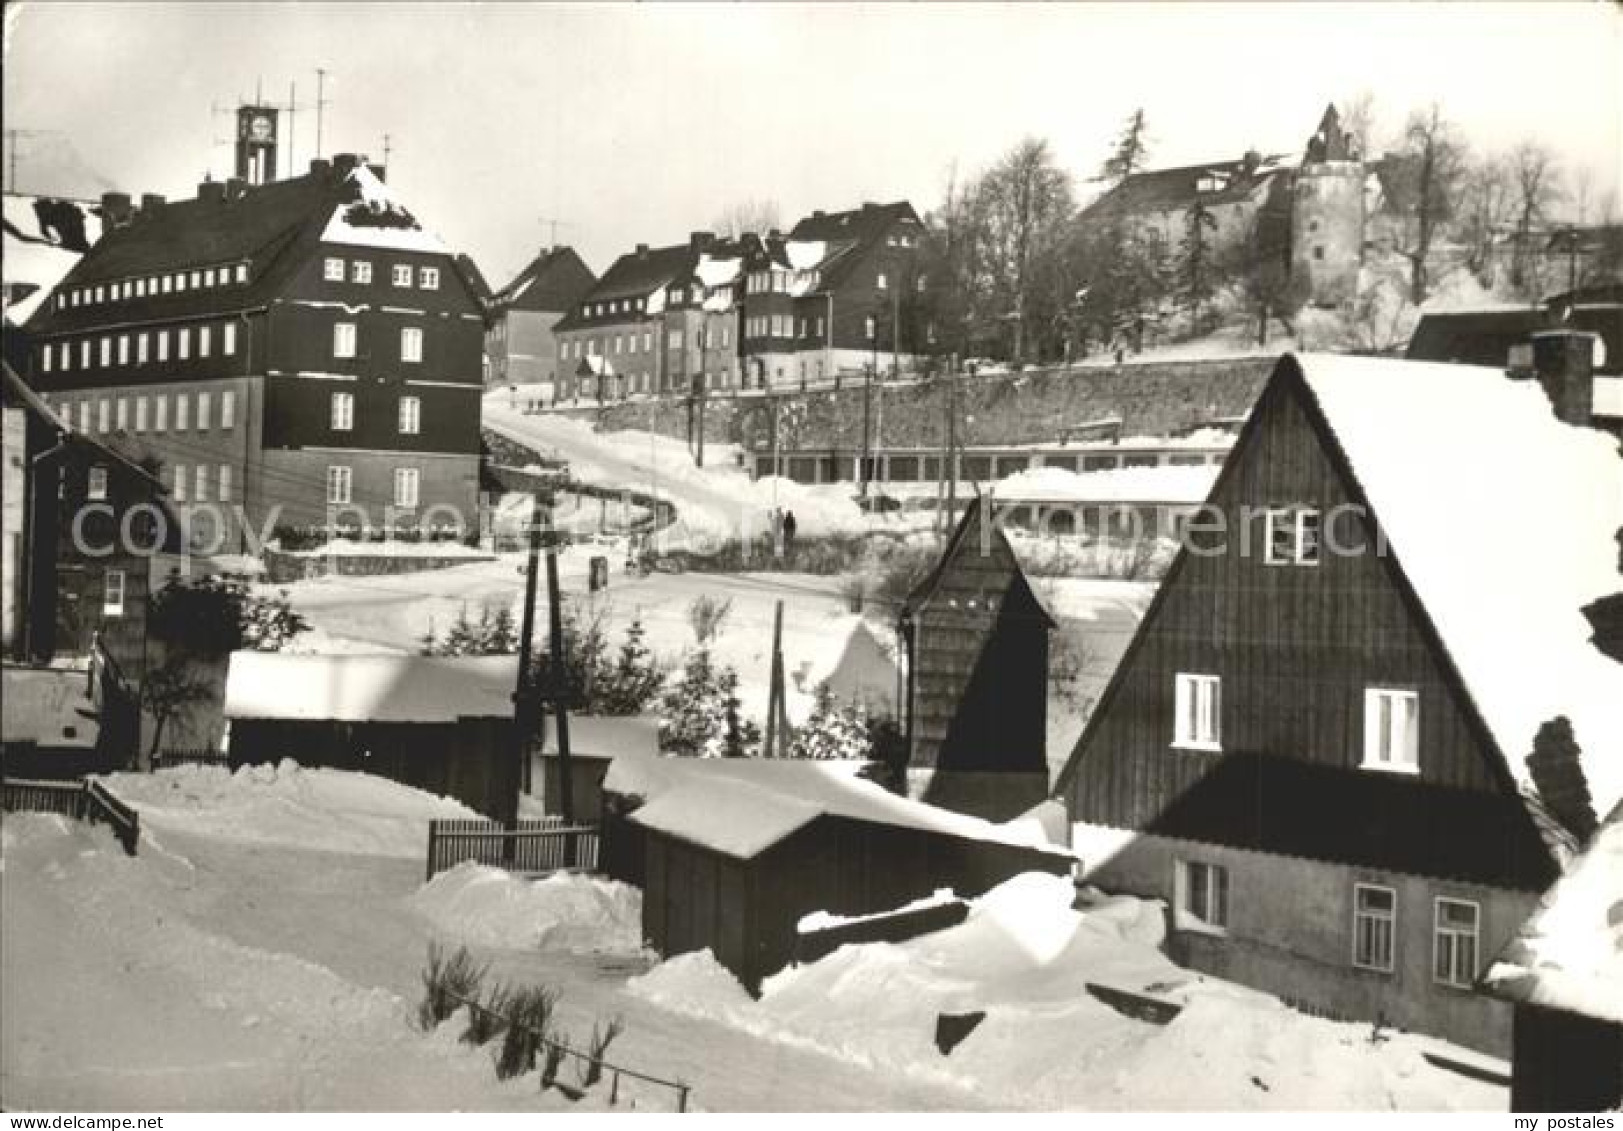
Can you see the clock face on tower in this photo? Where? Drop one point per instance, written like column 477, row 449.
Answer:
column 259, row 128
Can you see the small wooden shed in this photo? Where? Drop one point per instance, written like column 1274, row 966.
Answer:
column 977, row 694
column 439, row 724
column 737, row 852
column 594, row 742
column 1564, row 973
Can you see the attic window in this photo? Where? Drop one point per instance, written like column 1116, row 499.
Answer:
column 96, row 483
column 1292, row 536
column 1211, row 182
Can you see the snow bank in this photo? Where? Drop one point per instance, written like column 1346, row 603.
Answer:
column 328, row 810
column 1170, row 484
column 491, row 907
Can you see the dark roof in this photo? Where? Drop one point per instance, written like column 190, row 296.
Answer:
column 1167, row 190
column 475, row 277
column 925, row 591
column 554, row 281
column 636, row 274
column 1485, row 337
column 17, row 392
column 861, row 225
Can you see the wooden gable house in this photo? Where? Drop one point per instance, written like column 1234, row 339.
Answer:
column 1317, row 746
column 977, row 687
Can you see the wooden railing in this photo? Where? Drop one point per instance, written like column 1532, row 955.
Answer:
column 604, row 1068
column 84, row 799
column 191, row 756
column 542, row 844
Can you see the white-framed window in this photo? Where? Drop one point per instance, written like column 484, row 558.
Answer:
column 429, row 278
column 869, row 327
column 360, row 271
column 101, row 295
column 242, row 272
column 65, row 355
column 1202, row 891
column 203, row 400
column 202, row 480
column 106, row 352
column 619, row 343
column 140, row 288
column 183, row 405
column 228, row 339
column 203, row 342
column 160, row 412
column 225, row 482
column 208, row 276
column 333, row 271
column 122, row 414
column 881, row 282
column 405, row 487
column 140, row 414
column 197, row 279
column 84, row 416
column 112, row 593
column 143, row 344
column 96, row 483
column 104, row 415
column 675, row 340
column 228, row 410
column 183, row 343
column 338, row 483
column 45, row 358
column 1392, row 729
column 1375, row 920
column 169, row 284
column 1292, row 536
column 411, row 415
column 343, row 412
column 1457, row 926
column 402, row 275
column 123, row 349
column 343, row 339
column 648, row 341
column 163, row 345
column 411, row 343
column 1197, row 710
column 84, row 354
column 179, row 493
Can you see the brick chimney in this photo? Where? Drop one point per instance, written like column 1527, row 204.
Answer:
column 700, row 241
column 319, row 165
column 1563, row 363
column 115, row 209
column 642, row 251
column 1559, row 777
column 152, row 203
column 344, row 163
column 234, row 187
column 213, row 191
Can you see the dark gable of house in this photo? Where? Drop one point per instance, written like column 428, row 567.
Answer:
column 1293, row 648
column 552, row 283
column 635, row 275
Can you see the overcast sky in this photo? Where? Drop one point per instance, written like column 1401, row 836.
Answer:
column 640, row 123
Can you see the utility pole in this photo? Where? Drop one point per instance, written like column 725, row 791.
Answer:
column 560, row 692
column 292, row 109
column 776, row 737
column 321, row 105
column 524, row 689
column 867, row 403
column 949, row 458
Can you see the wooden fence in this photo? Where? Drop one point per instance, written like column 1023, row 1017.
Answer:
column 543, row 844
column 191, row 756
column 83, row 800
column 587, row 1061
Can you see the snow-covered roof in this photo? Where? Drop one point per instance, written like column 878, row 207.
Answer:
column 362, row 689
column 606, row 736
column 1504, row 519
column 771, row 798
column 34, row 253
column 805, row 255
column 1569, row 955
column 1608, row 397
column 1163, row 484
column 403, row 233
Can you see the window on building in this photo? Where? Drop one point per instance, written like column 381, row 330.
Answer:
column 160, row 412
column 360, row 271
column 343, row 339
column 163, row 345
column 84, row 354
column 228, row 410
column 65, row 355
column 405, row 487
column 1318, row 253
column 402, row 275
column 881, row 282
column 84, row 416
column 123, row 414
column 196, row 280
column 920, row 284
column 202, row 480
column 112, row 593
column 1456, row 927
column 1202, row 894
column 104, row 415
column 203, row 400
column 429, row 278
column 228, row 339
column 1197, row 706
column 1292, row 536
column 208, row 277
column 140, row 414
column 1392, row 729
column 242, row 272
column 142, row 344
column 1375, row 917
column 869, row 327
column 343, row 412
column 101, row 295
column 183, row 405
column 648, row 341
column 45, row 358
column 96, row 483
column 225, row 483
column 203, row 337
column 183, row 343
column 338, row 484
column 334, row 270
column 674, row 340
column 172, row 283
column 106, row 352
column 411, row 415
column 411, row 344
column 179, row 492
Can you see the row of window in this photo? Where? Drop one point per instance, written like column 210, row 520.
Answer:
column 198, row 479
column 338, row 270
column 341, row 414
column 780, row 281
column 146, row 413
column 622, row 305
column 107, row 350
column 1202, row 894
column 341, row 482
column 344, row 337
column 1391, row 721
column 629, row 343
column 174, row 282
column 782, row 326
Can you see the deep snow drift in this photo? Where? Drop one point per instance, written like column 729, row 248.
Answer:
column 473, row 903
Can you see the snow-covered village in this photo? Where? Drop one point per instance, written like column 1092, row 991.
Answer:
column 790, row 558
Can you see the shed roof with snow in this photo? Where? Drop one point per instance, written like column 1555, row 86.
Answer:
column 369, row 689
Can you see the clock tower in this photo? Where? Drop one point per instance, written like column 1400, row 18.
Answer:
column 256, row 144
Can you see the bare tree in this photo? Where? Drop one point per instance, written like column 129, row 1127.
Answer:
column 1424, row 185
column 1484, row 214
column 955, row 272
column 1534, row 181
column 758, row 216
column 1358, row 119
column 1027, row 201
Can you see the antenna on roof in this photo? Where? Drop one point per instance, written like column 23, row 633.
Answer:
column 321, row 105
column 386, row 152
column 554, row 223
column 13, row 136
